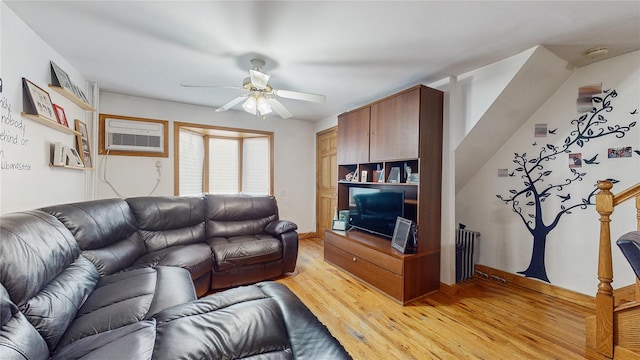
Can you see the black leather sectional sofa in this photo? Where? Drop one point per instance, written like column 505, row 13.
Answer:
column 120, row 279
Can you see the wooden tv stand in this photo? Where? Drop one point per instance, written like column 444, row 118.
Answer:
column 404, row 277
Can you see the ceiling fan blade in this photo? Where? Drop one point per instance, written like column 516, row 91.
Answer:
column 231, row 103
column 300, row 96
column 259, row 79
column 210, row 86
column 279, row 108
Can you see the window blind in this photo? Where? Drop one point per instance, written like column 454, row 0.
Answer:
column 255, row 166
column 224, row 167
column 191, row 159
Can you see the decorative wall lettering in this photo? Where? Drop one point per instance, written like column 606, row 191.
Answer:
column 13, row 133
column 538, row 184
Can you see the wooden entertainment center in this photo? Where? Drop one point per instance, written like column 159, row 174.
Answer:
column 399, row 131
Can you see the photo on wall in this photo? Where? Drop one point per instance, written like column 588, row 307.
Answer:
column 540, row 130
column 619, row 152
column 585, row 97
column 575, row 160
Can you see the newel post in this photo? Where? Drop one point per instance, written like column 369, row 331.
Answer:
column 604, row 296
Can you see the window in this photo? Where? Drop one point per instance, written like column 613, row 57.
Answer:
column 223, row 161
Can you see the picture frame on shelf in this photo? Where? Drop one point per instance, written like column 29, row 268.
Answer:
column 376, row 176
column 37, row 101
column 364, row 176
column 60, row 115
column 79, row 93
column 82, row 143
column 59, row 154
column 343, row 215
column 73, row 157
column 60, row 77
column 394, row 175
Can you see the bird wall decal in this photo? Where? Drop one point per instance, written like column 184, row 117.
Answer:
column 592, row 161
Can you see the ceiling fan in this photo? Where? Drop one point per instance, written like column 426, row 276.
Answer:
column 259, row 97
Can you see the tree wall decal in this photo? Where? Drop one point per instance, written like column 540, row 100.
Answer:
column 538, row 185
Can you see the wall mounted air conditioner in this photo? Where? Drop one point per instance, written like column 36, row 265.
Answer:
column 126, row 135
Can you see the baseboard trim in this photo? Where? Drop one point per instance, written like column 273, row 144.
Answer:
column 449, row 289
column 537, row 285
column 307, row 235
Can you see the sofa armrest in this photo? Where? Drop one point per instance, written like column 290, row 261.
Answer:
column 279, row 227
column 285, row 231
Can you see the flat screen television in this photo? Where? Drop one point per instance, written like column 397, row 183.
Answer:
column 375, row 210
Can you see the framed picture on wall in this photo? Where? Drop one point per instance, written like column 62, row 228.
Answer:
column 37, row 101
column 82, row 144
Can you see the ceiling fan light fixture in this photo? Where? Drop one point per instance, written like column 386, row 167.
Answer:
column 263, row 106
column 259, row 79
column 259, row 98
column 250, row 105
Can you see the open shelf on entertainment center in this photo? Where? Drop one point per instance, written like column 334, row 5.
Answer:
column 370, row 258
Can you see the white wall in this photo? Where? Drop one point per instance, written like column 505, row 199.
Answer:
column 572, row 248
column 479, row 88
column 294, row 154
column 26, row 180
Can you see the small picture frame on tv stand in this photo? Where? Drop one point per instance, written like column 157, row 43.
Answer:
column 404, row 235
column 339, row 225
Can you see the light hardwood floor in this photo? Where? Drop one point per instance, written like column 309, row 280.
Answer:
column 486, row 320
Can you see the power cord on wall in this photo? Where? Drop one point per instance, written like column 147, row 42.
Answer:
column 105, row 180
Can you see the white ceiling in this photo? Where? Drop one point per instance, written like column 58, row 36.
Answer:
column 353, row 52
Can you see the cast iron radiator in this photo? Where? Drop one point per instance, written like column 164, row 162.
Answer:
column 465, row 243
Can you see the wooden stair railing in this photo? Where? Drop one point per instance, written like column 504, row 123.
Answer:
column 606, row 201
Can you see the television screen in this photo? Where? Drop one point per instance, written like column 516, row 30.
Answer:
column 375, row 210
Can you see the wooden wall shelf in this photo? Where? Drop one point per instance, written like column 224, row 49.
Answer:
column 71, row 96
column 54, row 125
column 70, row 167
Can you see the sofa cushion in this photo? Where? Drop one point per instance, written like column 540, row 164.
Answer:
column 236, row 215
column 197, row 258
column 105, row 230
column 307, row 335
column 249, row 322
column 169, row 221
column 18, row 338
column 42, row 271
column 244, row 250
column 133, row 341
column 128, row 297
